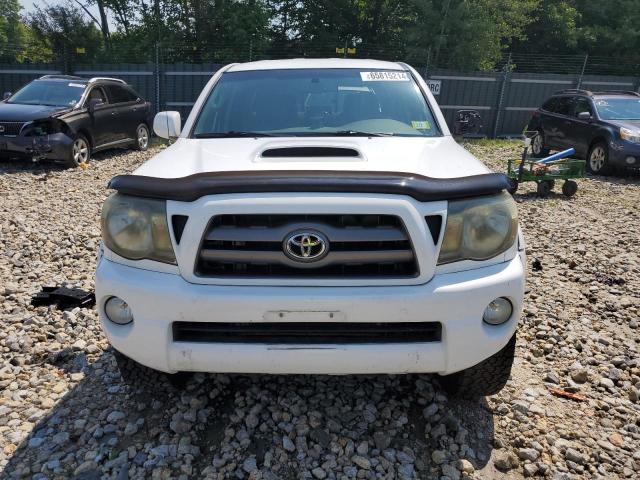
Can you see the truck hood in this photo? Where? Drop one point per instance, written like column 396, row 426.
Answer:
column 439, row 157
column 17, row 112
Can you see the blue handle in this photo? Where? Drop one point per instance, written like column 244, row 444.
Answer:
column 557, row 156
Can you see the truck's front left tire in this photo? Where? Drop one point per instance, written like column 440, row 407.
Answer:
column 486, row 378
column 144, row 379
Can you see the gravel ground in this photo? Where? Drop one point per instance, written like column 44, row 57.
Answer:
column 64, row 412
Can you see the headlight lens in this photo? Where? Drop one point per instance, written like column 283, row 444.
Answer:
column 479, row 228
column 40, row 128
column 630, row 135
column 136, row 228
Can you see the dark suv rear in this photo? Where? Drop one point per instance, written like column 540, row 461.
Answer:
column 603, row 127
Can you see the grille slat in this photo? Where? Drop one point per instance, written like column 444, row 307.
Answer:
column 307, row 333
column 359, row 246
column 10, row 129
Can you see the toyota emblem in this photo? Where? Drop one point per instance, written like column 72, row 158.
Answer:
column 305, row 246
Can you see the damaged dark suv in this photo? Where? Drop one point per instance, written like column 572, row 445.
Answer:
column 67, row 118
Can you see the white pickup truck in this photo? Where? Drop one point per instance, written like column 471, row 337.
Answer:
column 313, row 217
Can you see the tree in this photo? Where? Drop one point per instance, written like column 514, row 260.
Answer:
column 12, row 34
column 65, row 28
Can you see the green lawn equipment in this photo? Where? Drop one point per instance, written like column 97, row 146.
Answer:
column 545, row 171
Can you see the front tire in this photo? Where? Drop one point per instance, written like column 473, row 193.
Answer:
column 142, row 137
column 598, row 159
column 143, row 379
column 80, row 151
column 486, row 378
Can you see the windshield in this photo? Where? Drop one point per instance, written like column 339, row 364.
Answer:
column 618, row 108
column 322, row 102
column 53, row 93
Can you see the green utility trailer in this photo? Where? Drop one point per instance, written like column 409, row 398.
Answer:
column 545, row 175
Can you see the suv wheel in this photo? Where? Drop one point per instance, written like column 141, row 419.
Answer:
column 598, row 159
column 80, row 151
column 142, row 137
column 537, row 146
column 486, row 378
column 144, row 379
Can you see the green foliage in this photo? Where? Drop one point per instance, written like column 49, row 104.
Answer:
column 461, row 34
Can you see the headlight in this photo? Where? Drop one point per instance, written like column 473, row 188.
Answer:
column 136, row 228
column 40, row 128
column 630, row 135
column 479, row 228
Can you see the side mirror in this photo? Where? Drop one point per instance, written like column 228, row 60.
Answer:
column 6, row 95
column 467, row 122
column 584, row 116
column 93, row 104
column 167, row 124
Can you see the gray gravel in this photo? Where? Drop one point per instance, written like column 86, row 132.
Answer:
column 64, row 412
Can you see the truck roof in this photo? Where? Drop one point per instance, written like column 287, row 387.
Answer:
column 302, row 63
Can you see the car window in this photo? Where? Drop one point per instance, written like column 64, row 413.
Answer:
column 97, row 93
column 551, row 105
column 50, row 92
column 618, row 108
column 564, row 106
column 317, row 102
column 581, row 105
column 120, row 94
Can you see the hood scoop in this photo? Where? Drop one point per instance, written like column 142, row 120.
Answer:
column 310, row 153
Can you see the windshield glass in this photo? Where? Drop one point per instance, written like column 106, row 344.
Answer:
column 618, row 108
column 54, row 93
column 316, row 102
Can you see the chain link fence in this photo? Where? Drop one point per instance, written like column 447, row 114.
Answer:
column 505, row 92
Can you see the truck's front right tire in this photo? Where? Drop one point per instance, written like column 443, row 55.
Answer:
column 486, row 378
column 144, row 379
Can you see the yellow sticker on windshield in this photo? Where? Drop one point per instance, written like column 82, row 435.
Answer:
column 421, row 125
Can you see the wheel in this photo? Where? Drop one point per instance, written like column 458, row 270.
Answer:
column 598, row 159
column 486, row 378
column 537, row 146
column 142, row 137
column 569, row 188
column 144, row 379
column 544, row 188
column 80, row 151
column 514, row 187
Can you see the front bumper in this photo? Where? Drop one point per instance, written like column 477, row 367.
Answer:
column 620, row 150
column 54, row 147
column 457, row 300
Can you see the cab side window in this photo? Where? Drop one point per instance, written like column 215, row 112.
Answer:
column 120, row 94
column 564, row 106
column 97, row 93
column 582, row 105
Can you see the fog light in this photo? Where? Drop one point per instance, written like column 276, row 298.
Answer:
column 118, row 311
column 498, row 311
column 630, row 160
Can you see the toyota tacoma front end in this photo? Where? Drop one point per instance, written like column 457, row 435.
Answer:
column 313, row 216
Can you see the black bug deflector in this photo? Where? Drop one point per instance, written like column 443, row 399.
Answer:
column 423, row 189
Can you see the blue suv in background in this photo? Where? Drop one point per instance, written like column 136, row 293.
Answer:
column 603, row 127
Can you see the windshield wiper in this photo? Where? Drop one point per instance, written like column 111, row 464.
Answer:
column 232, row 134
column 356, row 133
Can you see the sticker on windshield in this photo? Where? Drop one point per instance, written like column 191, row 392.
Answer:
column 384, row 76
column 79, row 85
column 421, row 125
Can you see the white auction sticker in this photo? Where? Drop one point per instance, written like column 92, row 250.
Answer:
column 384, row 76
column 78, row 85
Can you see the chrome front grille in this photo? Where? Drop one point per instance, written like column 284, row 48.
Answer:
column 359, row 246
column 10, row 129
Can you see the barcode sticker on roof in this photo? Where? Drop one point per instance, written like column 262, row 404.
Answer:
column 384, row 76
column 79, row 85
